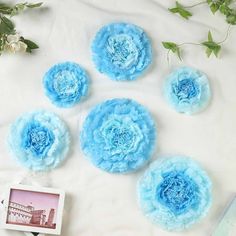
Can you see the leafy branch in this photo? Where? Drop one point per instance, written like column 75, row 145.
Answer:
column 210, row 46
column 10, row 40
column 16, row 9
column 224, row 7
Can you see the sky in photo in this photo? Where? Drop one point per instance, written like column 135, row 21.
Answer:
column 39, row 200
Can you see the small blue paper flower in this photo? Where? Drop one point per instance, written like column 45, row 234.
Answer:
column 39, row 140
column 122, row 51
column 187, row 90
column 66, row 84
column 175, row 193
column 118, row 136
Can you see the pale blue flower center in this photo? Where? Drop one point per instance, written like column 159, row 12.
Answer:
column 66, row 84
column 120, row 136
column 185, row 89
column 123, row 51
column 38, row 139
column 177, row 192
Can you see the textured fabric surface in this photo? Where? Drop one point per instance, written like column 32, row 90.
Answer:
column 99, row 203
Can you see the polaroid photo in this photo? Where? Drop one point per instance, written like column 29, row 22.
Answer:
column 33, row 209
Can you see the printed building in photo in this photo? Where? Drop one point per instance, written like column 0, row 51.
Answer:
column 27, row 215
column 18, row 213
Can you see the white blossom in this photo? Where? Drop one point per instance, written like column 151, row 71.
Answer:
column 14, row 44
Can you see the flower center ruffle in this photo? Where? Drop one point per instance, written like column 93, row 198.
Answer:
column 38, row 139
column 66, row 84
column 121, row 137
column 186, row 89
column 177, row 192
column 122, row 50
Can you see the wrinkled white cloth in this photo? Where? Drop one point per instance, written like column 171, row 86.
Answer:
column 99, row 203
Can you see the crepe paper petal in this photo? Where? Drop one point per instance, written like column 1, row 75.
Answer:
column 187, row 90
column 122, row 51
column 39, row 140
column 66, row 84
column 175, row 193
column 118, row 136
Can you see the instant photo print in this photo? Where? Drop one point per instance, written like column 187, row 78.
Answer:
column 33, row 209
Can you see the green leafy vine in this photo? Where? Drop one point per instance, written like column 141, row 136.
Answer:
column 224, row 7
column 10, row 40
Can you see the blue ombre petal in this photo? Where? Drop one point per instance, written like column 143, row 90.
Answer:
column 122, row 51
column 187, row 90
column 39, row 140
column 175, row 193
column 66, row 84
column 118, row 136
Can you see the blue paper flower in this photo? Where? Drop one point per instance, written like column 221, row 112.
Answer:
column 39, row 140
column 175, row 193
column 122, row 51
column 66, row 84
column 118, row 136
column 187, row 90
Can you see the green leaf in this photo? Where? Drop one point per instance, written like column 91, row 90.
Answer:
column 17, row 9
column 173, row 47
column 5, row 9
column 169, row 45
column 228, row 2
column 210, row 39
column 180, row 9
column 179, row 54
column 214, row 7
column 217, row 50
column 34, row 5
column 174, row 10
column 30, row 45
column 231, row 19
column 211, row 46
column 7, row 22
column 6, row 25
column 208, row 52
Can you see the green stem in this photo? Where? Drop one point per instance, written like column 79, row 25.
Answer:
column 227, row 35
column 195, row 44
column 197, row 4
column 168, row 57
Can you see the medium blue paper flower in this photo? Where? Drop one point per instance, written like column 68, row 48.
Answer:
column 66, row 84
column 118, row 136
column 175, row 193
column 122, row 51
column 39, row 140
column 187, row 90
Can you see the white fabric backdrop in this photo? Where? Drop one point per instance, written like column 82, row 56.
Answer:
column 98, row 203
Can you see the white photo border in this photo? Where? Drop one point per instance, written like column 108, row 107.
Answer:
column 56, row 231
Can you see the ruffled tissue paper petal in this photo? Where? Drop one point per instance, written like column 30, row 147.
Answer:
column 122, row 51
column 39, row 140
column 187, row 90
column 118, row 136
column 66, row 84
column 174, row 193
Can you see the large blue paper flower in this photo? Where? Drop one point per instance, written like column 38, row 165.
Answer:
column 175, row 193
column 122, row 51
column 187, row 90
column 66, row 84
column 39, row 140
column 118, row 136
